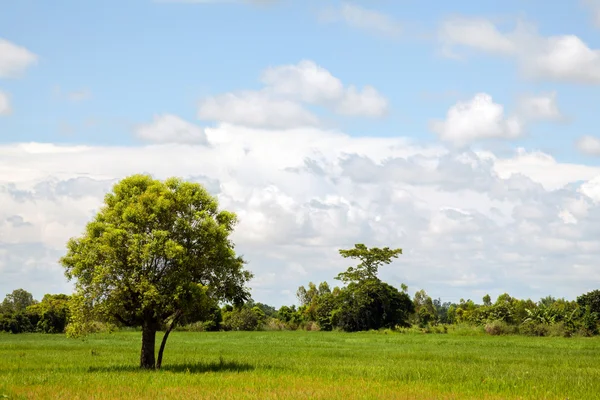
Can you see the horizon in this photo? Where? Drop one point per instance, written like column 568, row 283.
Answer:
column 463, row 133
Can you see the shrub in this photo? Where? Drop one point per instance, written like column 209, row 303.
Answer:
column 559, row 329
column 496, row 328
column 531, row 328
column 312, row 326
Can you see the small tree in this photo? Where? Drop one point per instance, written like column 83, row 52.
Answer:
column 370, row 261
column 146, row 256
column 367, row 302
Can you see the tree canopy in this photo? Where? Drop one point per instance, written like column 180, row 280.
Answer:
column 150, row 255
column 370, row 261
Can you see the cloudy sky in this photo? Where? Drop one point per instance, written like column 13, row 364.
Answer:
column 465, row 132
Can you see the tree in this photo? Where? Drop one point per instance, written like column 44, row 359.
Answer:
column 591, row 300
column 144, row 258
column 17, row 301
column 367, row 302
column 52, row 313
column 372, row 304
column 370, row 261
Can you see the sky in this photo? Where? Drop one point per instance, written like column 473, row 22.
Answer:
column 465, row 133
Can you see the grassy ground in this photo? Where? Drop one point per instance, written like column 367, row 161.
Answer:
column 301, row 365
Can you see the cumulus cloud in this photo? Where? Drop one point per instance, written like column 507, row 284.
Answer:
column 589, row 145
column 14, row 59
column 255, row 109
column 469, row 222
column 361, row 18
column 563, row 58
column 5, row 108
column 171, row 129
column 287, row 89
column 478, row 118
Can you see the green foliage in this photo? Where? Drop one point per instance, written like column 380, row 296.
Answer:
column 17, row 322
column 16, row 302
column 53, row 313
column 371, row 304
column 243, row 319
column 145, row 256
column 425, row 312
column 370, row 261
column 500, row 327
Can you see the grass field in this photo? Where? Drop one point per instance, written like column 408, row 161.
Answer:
column 301, row 365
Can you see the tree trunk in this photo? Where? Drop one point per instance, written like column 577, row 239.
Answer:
column 162, row 348
column 147, row 360
column 163, row 343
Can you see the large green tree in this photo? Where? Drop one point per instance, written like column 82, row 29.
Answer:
column 150, row 255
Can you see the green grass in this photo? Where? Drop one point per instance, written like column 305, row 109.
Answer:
column 301, row 365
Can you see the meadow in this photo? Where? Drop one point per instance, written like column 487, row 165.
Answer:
column 301, row 365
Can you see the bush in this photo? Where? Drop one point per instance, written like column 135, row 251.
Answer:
column 241, row 320
column 73, row 330
column 466, row 330
column 496, row 328
column 273, row 324
column 559, row 329
column 312, row 326
column 530, row 328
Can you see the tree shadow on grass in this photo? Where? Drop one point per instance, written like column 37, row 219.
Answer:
column 189, row 368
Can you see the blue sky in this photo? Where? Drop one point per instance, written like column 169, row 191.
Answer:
column 139, row 74
column 140, row 58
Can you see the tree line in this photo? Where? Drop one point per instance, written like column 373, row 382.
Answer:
column 158, row 257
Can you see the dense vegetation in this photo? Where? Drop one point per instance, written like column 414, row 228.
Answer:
column 350, row 309
column 303, row 365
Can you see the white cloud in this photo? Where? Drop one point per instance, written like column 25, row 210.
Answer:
column 478, row 118
column 589, row 145
column 476, row 33
column 171, row 129
column 305, row 193
column 362, row 18
column 539, row 107
column 14, row 59
column 287, row 88
column 313, row 84
column 563, row 58
column 5, row 108
column 255, row 109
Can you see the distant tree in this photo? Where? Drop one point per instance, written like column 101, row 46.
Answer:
column 324, row 289
column 424, row 308
column 147, row 255
column 52, row 313
column 591, row 300
column 17, row 301
column 371, row 304
column 306, row 296
column 370, row 261
column 487, row 300
column 268, row 310
column 367, row 302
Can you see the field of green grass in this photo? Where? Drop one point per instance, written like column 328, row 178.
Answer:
column 301, row 365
